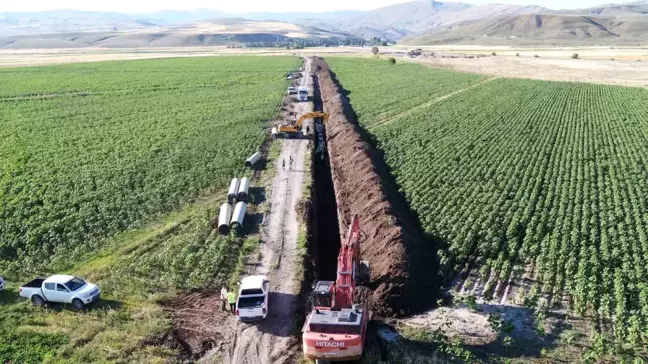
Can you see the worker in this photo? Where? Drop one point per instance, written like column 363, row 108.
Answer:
column 223, row 297
column 283, row 164
column 307, row 130
column 231, row 298
column 291, row 160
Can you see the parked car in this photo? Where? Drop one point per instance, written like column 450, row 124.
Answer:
column 252, row 302
column 61, row 289
column 292, row 90
column 2, row 283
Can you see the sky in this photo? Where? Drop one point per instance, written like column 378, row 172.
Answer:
column 241, row 6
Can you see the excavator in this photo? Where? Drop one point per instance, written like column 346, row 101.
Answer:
column 336, row 327
column 293, row 130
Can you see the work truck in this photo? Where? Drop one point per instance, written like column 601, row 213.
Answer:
column 61, row 289
column 252, row 302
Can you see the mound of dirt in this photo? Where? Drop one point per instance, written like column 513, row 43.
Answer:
column 199, row 324
column 402, row 262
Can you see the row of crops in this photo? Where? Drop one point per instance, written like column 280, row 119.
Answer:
column 90, row 150
column 520, row 174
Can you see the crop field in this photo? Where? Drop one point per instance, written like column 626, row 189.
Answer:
column 113, row 172
column 521, row 177
column 90, row 150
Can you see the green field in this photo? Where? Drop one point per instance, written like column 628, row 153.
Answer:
column 512, row 174
column 90, row 150
column 113, row 171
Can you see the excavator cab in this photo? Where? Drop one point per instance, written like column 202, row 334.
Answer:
column 322, row 297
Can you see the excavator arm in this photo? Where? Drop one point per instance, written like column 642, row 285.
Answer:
column 348, row 261
column 311, row 115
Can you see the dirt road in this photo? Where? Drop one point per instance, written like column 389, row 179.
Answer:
column 273, row 340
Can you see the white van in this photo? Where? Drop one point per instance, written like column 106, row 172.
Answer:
column 303, row 94
column 252, row 301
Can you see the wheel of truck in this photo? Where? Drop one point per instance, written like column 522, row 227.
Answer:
column 38, row 301
column 78, row 304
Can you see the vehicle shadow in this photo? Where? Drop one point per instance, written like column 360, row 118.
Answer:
column 100, row 305
column 279, row 305
column 8, row 297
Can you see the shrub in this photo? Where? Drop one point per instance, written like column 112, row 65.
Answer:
column 375, row 50
column 391, row 60
column 517, row 54
column 493, row 54
column 575, row 56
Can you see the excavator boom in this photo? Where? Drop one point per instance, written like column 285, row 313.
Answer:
column 347, row 265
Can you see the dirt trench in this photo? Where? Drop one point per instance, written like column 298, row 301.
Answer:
column 402, row 260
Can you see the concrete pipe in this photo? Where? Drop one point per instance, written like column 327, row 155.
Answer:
column 253, row 159
column 238, row 215
column 232, row 193
column 244, row 187
column 224, row 217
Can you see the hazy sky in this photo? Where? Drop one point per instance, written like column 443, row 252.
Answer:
column 239, row 6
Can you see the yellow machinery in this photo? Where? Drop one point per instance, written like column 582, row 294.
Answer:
column 294, row 129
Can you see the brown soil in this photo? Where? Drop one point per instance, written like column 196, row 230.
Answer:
column 199, row 324
column 402, row 262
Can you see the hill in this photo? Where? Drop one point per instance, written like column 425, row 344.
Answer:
column 204, row 33
column 539, row 29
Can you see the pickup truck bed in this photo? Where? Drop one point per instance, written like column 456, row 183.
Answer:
column 36, row 283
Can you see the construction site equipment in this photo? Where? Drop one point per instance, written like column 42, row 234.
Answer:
column 224, row 218
column 302, row 94
column 232, row 193
column 336, row 327
column 294, row 129
column 238, row 215
column 253, row 159
column 243, row 189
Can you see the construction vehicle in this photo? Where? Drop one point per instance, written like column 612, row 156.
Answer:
column 336, row 327
column 302, row 94
column 294, row 129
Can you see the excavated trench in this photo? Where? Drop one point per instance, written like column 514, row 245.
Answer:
column 326, row 226
column 402, row 259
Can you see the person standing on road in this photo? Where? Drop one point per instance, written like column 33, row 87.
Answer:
column 224, row 299
column 291, row 160
column 231, row 298
column 283, row 164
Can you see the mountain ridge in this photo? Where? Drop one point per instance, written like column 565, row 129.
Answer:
column 416, row 22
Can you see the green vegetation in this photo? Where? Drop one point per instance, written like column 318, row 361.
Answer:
column 517, row 173
column 114, row 172
column 90, row 150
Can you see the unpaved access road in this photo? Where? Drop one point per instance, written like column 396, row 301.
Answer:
column 273, row 340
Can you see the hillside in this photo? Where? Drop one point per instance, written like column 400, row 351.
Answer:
column 539, row 29
column 204, row 33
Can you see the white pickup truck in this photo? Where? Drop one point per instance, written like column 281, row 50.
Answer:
column 252, row 302
column 61, row 289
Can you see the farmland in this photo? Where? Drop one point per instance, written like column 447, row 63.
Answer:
column 520, row 177
column 114, row 172
column 90, row 150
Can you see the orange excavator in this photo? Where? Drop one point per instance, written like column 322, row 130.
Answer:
column 293, row 130
column 336, row 328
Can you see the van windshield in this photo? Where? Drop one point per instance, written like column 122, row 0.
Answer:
column 250, row 302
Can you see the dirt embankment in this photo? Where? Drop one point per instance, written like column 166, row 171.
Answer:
column 402, row 261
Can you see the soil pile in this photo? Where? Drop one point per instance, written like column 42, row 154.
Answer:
column 402, row 261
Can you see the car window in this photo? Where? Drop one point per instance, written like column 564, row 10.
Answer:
column 50, row 286
column 61, row 288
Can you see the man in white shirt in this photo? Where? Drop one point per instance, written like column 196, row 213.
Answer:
column 223, row 297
